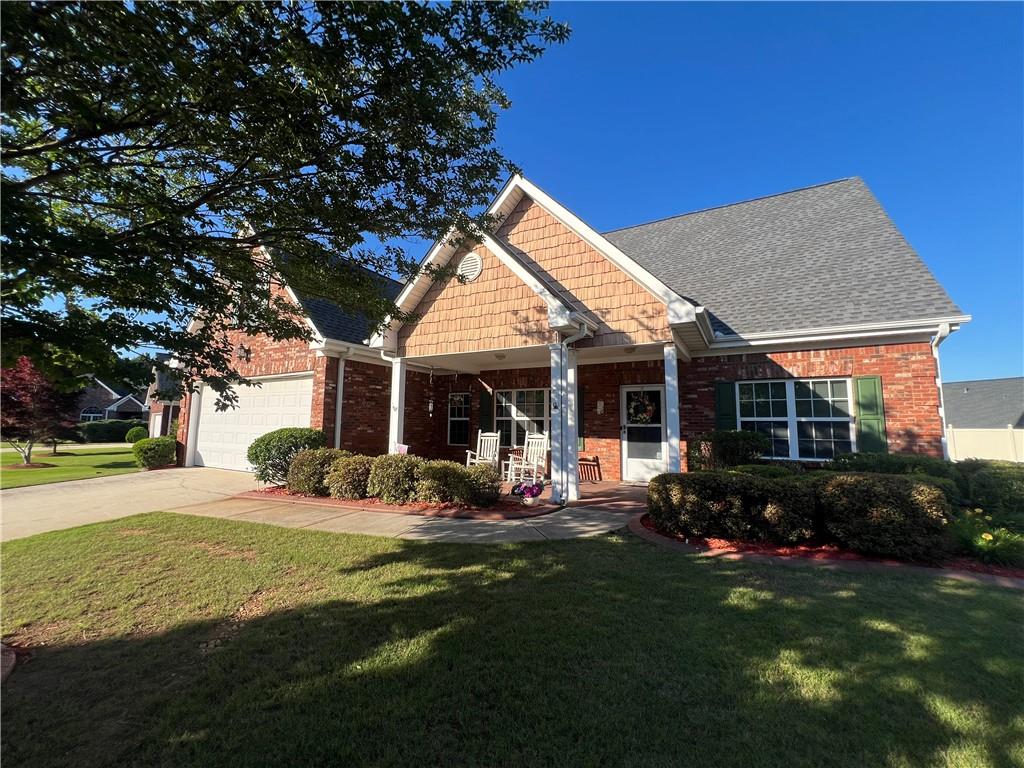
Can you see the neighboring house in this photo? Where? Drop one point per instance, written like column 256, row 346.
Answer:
column 805, row 316
column 105, row 401
column 985, row 418
column 335, row 383
column 162, row 410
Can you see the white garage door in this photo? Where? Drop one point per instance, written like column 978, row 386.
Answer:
column 224, row 437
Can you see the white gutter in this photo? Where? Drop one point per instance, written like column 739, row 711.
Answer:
column 940, row 336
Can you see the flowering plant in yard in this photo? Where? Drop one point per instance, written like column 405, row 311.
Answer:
column 527, row 490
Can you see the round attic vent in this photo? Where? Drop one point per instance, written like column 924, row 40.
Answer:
column 470, row 267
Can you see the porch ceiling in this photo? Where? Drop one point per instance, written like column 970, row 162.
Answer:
column 538, row 356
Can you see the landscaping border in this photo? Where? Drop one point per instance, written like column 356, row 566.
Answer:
column 637, row 528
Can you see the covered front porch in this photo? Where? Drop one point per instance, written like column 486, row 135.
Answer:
column 611, row 413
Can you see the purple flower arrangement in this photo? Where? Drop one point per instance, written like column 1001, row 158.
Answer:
column 527, row 490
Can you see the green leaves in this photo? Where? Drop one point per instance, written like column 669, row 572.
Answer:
column 139, row 139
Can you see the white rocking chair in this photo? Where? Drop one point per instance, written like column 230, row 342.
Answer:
column 533, row 462
column 486, row 450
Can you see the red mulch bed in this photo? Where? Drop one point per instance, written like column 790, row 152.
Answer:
column 820, row 552
column 506, row 508
column 33, row 465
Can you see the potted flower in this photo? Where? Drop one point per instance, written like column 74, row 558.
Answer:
column 529, row 493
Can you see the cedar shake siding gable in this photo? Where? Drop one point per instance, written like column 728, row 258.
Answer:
column 625, row 312
column 497, row 310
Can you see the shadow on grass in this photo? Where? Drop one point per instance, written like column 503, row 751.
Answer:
column 116, row 465
column 599, row 652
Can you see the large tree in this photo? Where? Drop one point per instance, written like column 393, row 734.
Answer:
column 165, row 161
column 32, row 410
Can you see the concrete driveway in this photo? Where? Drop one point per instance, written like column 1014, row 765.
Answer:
column 40, row 508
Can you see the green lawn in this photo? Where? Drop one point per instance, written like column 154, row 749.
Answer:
column 73, row 463
column 165, row 639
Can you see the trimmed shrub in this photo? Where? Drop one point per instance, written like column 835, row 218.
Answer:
column 999, row 490
column 484, row 485
column 975, row 536
column 899, row 464
column 135, row 434
column 108, row 430
column 307, row 473
column 393, row 478
column 891, row 516
column 725, row 448
column 349, row 477
column 733, row 505
column 271, row 454
column 153, row 452
column 441, row 482
column 766, row 470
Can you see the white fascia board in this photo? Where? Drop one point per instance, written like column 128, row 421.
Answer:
column 824, row 341
column 679, row 309
column 842, row 331
column 359, row 352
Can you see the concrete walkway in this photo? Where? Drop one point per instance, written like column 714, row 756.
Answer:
column 569, row 523
column 40, row 508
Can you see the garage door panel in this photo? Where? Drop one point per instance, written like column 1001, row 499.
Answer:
column 223, row 437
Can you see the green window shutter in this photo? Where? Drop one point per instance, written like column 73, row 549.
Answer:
column 580, row 441
column 871, row 437
column 725, row 405
column 486, row 411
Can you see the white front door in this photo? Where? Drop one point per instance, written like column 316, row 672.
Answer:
column 644, row 452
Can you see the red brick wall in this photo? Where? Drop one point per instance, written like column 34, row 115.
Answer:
column 909, row 393
column 908, row 390
column 600, row 384
column 366, row 406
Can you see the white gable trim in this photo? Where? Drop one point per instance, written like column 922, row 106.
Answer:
column 112, row 406
column 115, row 394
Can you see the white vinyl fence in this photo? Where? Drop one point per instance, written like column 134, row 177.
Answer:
column 1005, row 444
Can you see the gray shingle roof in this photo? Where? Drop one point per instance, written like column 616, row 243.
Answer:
column 984, row 404
column 334, row 323
column 817, row 257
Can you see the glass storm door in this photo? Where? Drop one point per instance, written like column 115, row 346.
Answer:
column 643, row 432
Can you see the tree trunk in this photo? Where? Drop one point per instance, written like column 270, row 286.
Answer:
column 26, row 454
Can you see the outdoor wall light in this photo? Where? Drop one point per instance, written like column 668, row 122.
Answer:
column 430, row 406
column 499, row 356
column 243, row 352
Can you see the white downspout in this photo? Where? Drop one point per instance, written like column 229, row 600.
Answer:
column 941, row 335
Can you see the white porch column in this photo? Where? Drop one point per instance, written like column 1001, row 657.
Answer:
column 396, row 424
column 672, row 406
column 194, row 406
column 571, row 434
column 558, row 490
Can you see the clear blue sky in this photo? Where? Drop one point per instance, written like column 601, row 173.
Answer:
column 656, row 109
